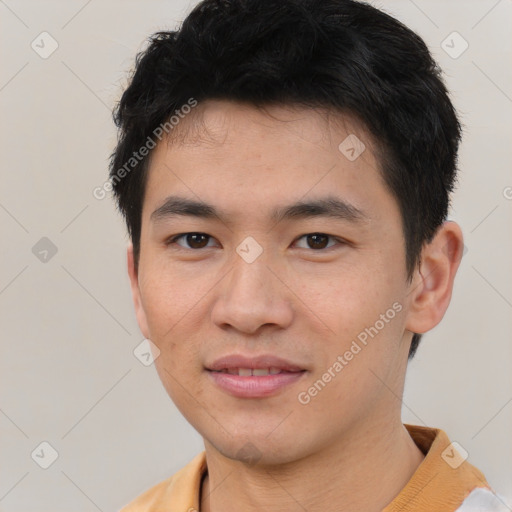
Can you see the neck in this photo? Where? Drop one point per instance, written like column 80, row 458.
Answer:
column 363, row 472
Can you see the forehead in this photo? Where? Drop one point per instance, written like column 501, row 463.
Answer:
column 214, row 123
column 228, row 153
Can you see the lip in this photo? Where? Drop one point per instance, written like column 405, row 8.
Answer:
column 261, row 361
column 254, row 386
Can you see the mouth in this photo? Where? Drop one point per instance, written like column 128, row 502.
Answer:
column 254, row 372
column 257, row 377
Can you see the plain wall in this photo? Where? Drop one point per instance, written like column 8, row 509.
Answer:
column 68, row 372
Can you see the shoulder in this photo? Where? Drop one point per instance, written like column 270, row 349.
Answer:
column 149, row 499
column 181, row 490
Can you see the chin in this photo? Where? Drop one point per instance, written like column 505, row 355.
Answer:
column 259, row 450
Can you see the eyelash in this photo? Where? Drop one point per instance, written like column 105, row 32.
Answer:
column 173, row 240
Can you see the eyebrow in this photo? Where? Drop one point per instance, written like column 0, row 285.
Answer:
column 331, row 207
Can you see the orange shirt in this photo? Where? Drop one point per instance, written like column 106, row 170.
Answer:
column 443, row 482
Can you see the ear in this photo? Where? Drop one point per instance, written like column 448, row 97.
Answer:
column 136, row 295
column 432, row 284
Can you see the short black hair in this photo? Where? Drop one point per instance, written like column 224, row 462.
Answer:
column 342, row 55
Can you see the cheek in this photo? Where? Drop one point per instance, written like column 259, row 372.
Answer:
column 166, row 298
column 171, row 319
column 361, row 305
column 345, row 298
column 174, row 308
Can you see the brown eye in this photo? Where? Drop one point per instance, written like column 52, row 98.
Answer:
column 194, row 240
column 197, row 240
column 317, row 241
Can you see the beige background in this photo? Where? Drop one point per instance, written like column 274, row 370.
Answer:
column 68, row 373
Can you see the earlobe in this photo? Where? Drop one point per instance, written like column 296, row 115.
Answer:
column 431, row 290
column 136, row 294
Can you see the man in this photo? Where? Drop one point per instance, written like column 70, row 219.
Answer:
column 284, row 168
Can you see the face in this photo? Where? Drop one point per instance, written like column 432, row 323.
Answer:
column 277, row 324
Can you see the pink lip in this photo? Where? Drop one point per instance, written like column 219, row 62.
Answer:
column 254, row 386
column 262, row 361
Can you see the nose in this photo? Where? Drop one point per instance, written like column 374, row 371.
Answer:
column 253, row 295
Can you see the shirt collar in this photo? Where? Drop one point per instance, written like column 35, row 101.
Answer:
column 441, row 482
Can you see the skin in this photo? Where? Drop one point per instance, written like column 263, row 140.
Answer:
column 296, row 301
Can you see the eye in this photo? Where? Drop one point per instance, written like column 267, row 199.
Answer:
column 315, row 241
column 195, row 240
column 318, row 241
